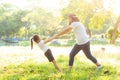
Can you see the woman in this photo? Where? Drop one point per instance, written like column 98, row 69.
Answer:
column 82, row 40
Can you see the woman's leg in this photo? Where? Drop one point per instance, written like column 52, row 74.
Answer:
column 86, row 50
column 73, row 52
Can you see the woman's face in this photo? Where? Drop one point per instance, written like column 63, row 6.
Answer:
column 70, row 19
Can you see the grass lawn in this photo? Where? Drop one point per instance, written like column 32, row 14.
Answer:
column 70, row 43
column 83, row 70
column 65, row 42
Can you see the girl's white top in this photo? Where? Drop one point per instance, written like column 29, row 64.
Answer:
column 80, row 33
column 42, row 46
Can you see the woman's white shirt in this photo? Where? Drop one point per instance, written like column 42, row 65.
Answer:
column 80, row 33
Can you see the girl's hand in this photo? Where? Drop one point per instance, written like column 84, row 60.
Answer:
column 49, row 39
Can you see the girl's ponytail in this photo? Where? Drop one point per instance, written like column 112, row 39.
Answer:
column 31, row 44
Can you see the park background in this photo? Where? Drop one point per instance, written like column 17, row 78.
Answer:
column 21, row 19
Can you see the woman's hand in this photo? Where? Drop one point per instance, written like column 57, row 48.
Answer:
column 55, row 37
column 68, row 29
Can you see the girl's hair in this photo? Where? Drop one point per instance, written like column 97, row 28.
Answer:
column 73, row 17
column 34, row 38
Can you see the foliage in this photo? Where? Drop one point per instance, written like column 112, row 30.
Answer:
column 91, row 13
column 15, row 22
column 24, row 43
column 10, row 21
column 44, row 22
column 97, row 21
column 25, row 23
column 110, row 33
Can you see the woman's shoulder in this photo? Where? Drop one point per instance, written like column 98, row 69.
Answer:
column 76, row 23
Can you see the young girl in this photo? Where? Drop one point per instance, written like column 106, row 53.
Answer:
column 45, row 49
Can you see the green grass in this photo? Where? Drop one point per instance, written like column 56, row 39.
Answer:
column 45, row 71
column 24, row 43
column 68, row 43
column 1, row 43
column 99, row 42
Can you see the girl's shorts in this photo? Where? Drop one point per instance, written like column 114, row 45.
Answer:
column 49, row 55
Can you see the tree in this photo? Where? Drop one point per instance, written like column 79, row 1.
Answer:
column 115, row 31
column 92, row 13
column 44, row 22
column 10, row 20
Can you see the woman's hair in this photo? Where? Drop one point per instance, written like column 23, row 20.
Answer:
column 34, row 38
column 73, row 17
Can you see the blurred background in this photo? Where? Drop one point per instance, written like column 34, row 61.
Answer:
column 21, row 19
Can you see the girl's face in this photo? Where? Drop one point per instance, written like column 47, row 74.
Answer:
column 38, row 40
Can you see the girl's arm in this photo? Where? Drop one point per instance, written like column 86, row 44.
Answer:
column 48, row 40
column 68, row 29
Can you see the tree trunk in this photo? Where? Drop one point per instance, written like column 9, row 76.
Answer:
column 115, row 31
column 89, row 32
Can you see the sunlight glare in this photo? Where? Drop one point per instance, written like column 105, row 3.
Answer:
column 18, row 3
column 116, row 9
column 112, row 5
column 89, row 1
column 50, row 4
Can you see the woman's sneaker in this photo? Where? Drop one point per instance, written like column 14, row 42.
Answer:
column 99, row 67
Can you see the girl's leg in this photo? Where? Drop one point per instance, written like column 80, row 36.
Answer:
column 50, row 57
column 73, row 52
column 86, row 50
column 56, row 66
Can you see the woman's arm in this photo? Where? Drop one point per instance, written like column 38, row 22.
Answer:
column 68, row 29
